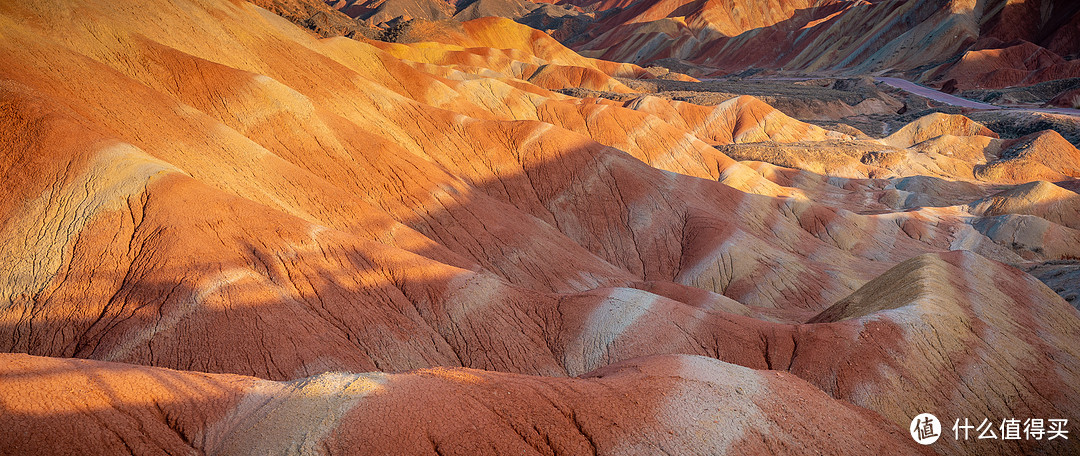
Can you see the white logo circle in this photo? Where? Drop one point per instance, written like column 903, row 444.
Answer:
column 925, row 428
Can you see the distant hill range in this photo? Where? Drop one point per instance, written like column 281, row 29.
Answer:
column 950, row 44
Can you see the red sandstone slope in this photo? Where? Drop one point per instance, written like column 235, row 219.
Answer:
column 797, row 35
column 667, row 403
column 853, row 36
column 1020, row 64
column 203, row 186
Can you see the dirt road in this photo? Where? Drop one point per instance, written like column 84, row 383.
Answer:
column 935, row 95
column 943, row 97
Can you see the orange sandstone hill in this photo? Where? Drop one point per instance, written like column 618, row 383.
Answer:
column 223, row 233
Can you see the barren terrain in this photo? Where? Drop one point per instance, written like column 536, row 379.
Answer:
column 271, row 228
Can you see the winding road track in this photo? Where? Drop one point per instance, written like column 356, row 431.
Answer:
column 943, row 97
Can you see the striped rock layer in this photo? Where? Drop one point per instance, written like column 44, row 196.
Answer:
column 973, row 44
column 257, row 240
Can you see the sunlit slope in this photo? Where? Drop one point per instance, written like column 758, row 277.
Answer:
column 203, row 186
column 325, row 136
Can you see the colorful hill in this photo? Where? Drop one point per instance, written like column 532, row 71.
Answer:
column 224, row 233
